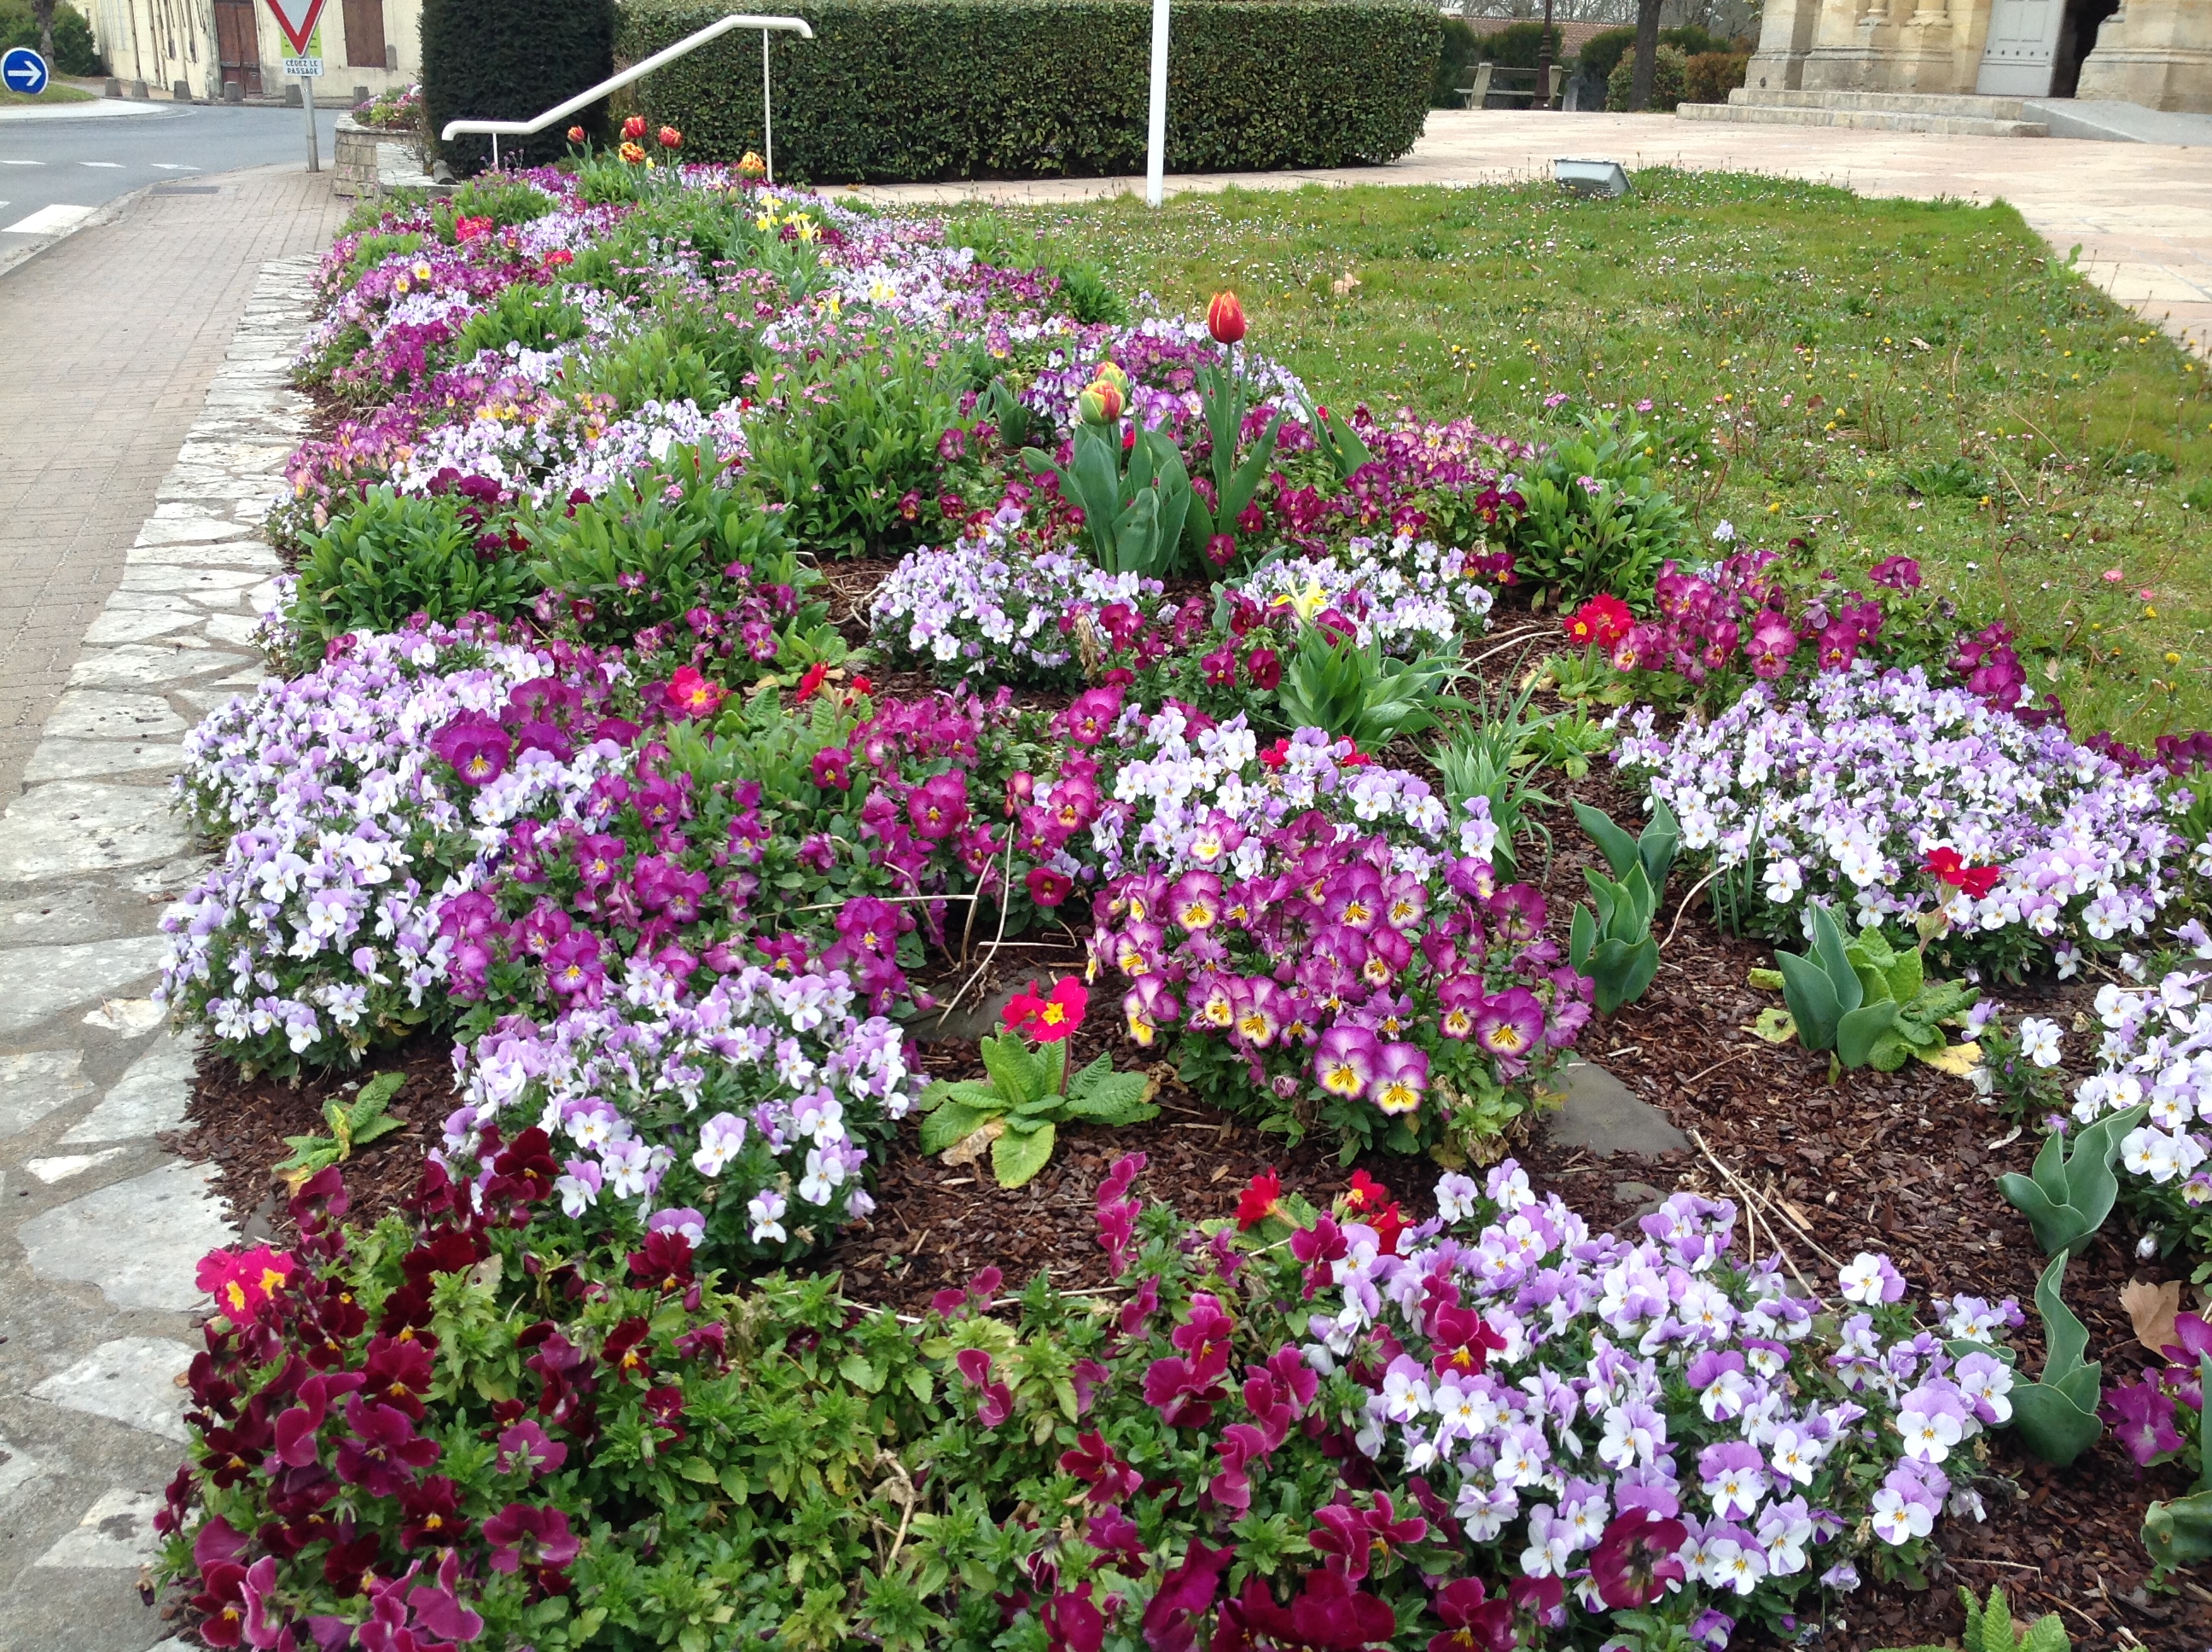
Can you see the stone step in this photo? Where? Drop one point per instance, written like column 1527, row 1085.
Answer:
column 1904, row 103
column 1880, row 120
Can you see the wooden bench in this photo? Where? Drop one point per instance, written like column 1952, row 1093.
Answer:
column 1486, row 86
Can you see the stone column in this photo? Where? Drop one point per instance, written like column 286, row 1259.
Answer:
column 1785, row 35
column 2154, row 52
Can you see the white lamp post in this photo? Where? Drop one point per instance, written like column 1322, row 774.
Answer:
column 1155, row 142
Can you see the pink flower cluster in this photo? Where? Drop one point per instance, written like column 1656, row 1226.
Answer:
column 1346, row 978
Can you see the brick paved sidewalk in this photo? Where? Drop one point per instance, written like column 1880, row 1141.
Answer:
column 113, row 335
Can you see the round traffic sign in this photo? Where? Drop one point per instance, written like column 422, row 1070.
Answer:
column 22, row 70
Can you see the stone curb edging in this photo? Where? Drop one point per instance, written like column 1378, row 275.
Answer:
column 98, row 1306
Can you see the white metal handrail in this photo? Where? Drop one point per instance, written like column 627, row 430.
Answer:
column 497, row 129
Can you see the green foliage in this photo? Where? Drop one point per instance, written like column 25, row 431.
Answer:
column 2179, row 1533
column 390, row 557
column 353, row 1125
column 1579, row 541
column 1613, row 944
column 1458, row 52
column 653, row 367
column 2068, row 1195
column 2056, row 1415
column 525, row 313
column 1710, row 76
column 637, row 558
column 1042, row 88
column 1017, row 1110
column 1084, row 288
column 1827, row 998
column 1604, row 49
column 1950, row 478
column 1338, row 442
column 1135, row 502
column 1893, row 983
column 846, row 446
column 373, row 249
column 1517, row 45
column 1489, row 756
column 1226, row 400
column 1668, row 67
column 1569, row 739
column 512, row 60
column 1359, row 693
column 503, row 201
column 1990, row 1628
column 74, row 52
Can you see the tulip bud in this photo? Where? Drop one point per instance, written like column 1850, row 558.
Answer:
column 575, row 133
column 1108, row 374
column 1225, row 319
column 1100, row 403
column 634, row 128
column 670, row 138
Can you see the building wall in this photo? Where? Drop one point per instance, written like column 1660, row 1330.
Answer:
column 164, row 41
column 2154, row 52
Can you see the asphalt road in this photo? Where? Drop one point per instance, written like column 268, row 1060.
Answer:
column 54, row 163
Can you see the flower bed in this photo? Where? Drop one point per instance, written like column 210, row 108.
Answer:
column 1879, row 792
column 687, row 875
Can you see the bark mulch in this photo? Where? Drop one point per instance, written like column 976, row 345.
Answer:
column 1904, row 1163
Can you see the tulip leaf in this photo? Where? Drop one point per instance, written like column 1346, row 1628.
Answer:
column 2056, row 1415
column 2068, row 1195
column 1856, row 1031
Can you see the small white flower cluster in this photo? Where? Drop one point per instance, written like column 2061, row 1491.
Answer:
column 1182, row 798
column 2157, row 1049
column 1413, row 597
column 1841, row 794
column 752, row 1101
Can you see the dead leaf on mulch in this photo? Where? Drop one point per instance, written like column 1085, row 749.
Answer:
column 2151, row 1309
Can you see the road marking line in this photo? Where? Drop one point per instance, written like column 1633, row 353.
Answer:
column 9, row 161
column 168, row 166
column 118, row 165
column 56, row 219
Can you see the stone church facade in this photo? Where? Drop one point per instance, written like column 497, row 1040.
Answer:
column 2157, row 53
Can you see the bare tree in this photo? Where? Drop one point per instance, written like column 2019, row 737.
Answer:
column 1647, row 53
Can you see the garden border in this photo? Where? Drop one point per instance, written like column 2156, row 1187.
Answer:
column 107, row 1222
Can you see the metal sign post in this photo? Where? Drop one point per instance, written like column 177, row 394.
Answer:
column 308, row 102
column 1156, row 141
column 299, row 20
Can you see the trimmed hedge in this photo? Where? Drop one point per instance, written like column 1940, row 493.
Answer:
column 912, row 90
column 512, row 60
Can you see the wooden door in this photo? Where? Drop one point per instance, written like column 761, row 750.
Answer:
column 2022, row 48
column 238, row 44
column 364, row 33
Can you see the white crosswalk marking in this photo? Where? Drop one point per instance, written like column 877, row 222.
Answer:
column 53, row 220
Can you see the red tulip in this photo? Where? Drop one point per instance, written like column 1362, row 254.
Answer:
column 634, row 128
column 1101, row 403
column 1225, row 319
column 575, row 133
column 670, row 138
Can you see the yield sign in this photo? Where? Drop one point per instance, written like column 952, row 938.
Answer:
column 297, row 19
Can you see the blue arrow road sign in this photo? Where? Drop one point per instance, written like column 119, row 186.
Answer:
column 24, row 70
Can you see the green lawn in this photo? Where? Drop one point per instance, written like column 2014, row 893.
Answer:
column 55, row 92
column 1883, row 376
